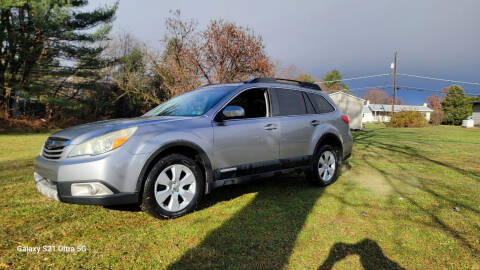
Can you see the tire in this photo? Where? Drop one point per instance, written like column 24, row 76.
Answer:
column 323, row 173
column 173, row 188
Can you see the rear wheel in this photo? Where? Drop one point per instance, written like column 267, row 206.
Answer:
column 173, row 187
column 325, row 166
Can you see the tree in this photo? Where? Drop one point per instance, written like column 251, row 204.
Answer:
column 48, row 46
column 305, row 77
column 456, row 106
column 477, row 98
column 377, row 96
column 332, row 81
column 232, row 53
column 286, row 72
column 135, row 89
column 434, row 102
column 445, row 90
column 223, row 52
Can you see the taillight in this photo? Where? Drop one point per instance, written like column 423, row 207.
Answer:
column 345, row 119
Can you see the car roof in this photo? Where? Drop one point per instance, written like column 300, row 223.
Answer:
column 266, row 83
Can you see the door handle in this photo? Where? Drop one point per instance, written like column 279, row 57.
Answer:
column 270, row 127
column 315, row 123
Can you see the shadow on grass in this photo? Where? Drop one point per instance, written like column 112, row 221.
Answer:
column 263, row 233
column 371, row 255
column 125, row 207
column 394, row 179
column 367, row 138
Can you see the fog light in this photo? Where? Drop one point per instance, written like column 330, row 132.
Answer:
column 90, row 189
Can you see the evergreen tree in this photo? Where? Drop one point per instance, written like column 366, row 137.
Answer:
column 456, row 106
column 51, row 48
column 332, row 81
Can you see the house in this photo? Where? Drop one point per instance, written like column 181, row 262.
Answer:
column 351, row 106
column 476, row 113
column 381, row 112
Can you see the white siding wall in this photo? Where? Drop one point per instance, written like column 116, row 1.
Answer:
column 350, row 106
column 367, row 117
column 427, row 116
column 385, row 117
column 476, row 114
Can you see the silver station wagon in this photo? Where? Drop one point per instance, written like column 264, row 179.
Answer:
column 216, row 135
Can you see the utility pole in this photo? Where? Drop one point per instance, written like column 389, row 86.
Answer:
column 394, row 82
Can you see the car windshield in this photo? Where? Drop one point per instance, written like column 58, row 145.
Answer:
column 193, row 103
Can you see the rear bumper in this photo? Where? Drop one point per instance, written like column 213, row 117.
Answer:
column 61, row 191
column 347, row 146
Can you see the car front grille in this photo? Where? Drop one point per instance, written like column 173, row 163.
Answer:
column 53, row 147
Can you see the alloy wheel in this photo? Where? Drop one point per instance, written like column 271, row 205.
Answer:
column 175, row 187
column 326, row 166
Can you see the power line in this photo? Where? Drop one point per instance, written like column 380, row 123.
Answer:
column 356, row 78
column 406, row 88
column 402, row 87
column 369, row 87
column 437, row 79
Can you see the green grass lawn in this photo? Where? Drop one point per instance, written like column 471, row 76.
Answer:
column 393, row 207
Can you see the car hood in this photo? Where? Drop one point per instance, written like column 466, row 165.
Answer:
column 82, row 132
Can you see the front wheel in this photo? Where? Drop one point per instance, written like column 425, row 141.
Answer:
column 173, row 187
column 325, row 166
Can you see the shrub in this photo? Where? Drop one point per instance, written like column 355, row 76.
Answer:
column 407, row 119
column 436, row 117
column 22, row 125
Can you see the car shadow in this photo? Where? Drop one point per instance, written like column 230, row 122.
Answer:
column 124, row 207
column 370, row 253
column 263, row 233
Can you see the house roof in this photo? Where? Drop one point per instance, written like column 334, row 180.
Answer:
column 346, row 94
column 388, row 108
column 366, row 109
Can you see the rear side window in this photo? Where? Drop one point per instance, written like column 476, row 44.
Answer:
column 321, row 104
column 308, row 103
column 290, row 102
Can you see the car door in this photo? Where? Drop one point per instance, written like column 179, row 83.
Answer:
column 323, row 109
column 295, row 125
column 246, row 145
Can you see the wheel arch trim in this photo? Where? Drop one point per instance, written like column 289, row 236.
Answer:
column 155, row 155
column 327, row 136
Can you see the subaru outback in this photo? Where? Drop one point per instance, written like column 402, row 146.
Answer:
column 213, row 136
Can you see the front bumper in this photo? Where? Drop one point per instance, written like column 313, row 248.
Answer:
column 118, row 172
column 61, row 191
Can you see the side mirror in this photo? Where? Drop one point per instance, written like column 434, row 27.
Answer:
column 233, row 111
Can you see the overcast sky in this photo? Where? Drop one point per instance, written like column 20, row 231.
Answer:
column 439, row 38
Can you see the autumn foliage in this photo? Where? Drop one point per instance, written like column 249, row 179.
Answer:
column 407, row 119
column 223, row 52
column 377, row 96
column 232, row 53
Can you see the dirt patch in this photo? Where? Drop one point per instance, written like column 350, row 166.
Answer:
column 370, row 179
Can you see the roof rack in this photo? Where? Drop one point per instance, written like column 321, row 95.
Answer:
column 285, row 81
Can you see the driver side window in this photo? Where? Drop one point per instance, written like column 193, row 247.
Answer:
column 253, row 101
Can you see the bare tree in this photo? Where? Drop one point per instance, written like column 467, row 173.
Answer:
column 286, row 72
column 232, row 53
column 224, row 52
column 377, row 96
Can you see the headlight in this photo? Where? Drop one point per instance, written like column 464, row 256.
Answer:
column 104, row 143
